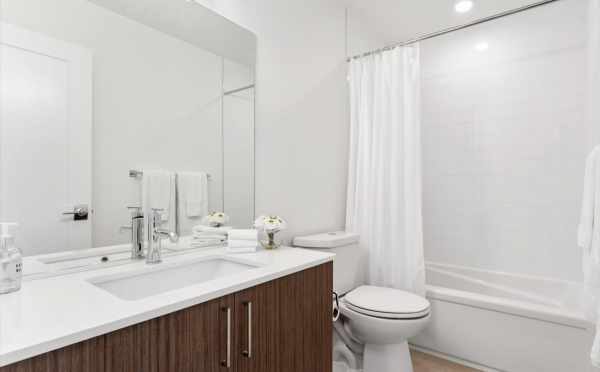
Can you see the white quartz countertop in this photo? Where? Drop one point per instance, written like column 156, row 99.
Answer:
column 55, row 312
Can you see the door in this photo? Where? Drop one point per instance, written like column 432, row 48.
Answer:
column 86, row 356
column 256, row 326
column 45, row 140
column 197, row 339
column 305, row 325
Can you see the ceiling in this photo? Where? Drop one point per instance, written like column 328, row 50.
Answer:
column 191, row 22
column 398, row 20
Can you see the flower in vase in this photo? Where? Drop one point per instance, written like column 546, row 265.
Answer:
column 215, row 219
column 270, row 224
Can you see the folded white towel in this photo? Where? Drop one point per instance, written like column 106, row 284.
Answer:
column 242, row 243
column 204, row 236
column 206, row 243
column 159, row 192
column 214, row 230
column 251, row 235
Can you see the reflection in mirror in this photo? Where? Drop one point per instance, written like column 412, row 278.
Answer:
column 95, row 89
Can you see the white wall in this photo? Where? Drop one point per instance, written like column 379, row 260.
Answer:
column 156, row 102
column 361, row 35
column 302, row 124
column 505, row 139
column 593, row 63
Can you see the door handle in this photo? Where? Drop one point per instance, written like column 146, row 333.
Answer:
column 79, row 212
column 227, row 362
column 248, row 353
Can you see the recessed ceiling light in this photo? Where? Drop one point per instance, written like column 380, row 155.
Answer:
column 463, row 6
column 482, row 47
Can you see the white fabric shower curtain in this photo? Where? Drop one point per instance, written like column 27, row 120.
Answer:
column 384, row 185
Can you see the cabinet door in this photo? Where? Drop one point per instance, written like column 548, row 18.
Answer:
column 197, row 339
column 305, row 326
column 256, row 327
column 132, row 348
column 86, row 356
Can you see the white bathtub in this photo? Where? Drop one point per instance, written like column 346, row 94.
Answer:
column 506, row 322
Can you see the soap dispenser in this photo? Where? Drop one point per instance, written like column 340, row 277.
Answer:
column 11, row 261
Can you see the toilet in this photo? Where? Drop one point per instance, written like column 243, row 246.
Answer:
column 375, row 323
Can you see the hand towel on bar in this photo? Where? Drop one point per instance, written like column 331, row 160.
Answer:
column 159, row 192
column 590, row 195
column 589, row 240
column 192, row 200
column 251, row 235
column 193, row 194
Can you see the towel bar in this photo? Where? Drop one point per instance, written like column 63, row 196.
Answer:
column 138, row 174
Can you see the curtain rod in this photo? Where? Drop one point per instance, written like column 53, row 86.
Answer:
column 452, row 29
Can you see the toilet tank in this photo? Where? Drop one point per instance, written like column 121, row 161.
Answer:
column 349, row 265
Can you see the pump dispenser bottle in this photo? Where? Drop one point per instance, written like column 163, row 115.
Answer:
column 11, row 261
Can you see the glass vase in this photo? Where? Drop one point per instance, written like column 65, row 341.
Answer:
column 270, row 243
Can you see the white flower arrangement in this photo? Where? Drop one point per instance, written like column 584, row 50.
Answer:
column 215, row 219
column 270, row 224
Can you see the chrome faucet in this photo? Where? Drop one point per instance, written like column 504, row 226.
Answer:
column 154, row 254
column 137, row 233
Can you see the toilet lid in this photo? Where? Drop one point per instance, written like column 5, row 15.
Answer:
column 387, row 302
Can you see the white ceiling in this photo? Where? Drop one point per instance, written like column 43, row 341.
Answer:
column 190, row 22
column 399, row 20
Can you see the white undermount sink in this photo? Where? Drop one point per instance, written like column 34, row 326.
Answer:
column 166, row 277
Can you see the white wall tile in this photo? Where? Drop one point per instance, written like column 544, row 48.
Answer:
column 504, row 143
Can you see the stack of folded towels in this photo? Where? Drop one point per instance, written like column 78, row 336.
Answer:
column 242, row 241
column 206, row 236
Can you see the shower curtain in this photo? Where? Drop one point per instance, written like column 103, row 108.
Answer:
column 384, row 182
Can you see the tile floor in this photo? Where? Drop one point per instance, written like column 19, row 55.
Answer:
column 428, row 363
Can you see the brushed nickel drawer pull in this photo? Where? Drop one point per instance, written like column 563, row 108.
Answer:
column 227, row 362
column 248, row 353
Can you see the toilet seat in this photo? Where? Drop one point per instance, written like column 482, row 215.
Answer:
column 386, row 303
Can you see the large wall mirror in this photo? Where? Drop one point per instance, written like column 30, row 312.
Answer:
column 103, row 99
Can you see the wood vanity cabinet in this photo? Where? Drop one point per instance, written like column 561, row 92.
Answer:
column 280, row 326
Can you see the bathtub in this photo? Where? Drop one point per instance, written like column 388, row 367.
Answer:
column 504, row 322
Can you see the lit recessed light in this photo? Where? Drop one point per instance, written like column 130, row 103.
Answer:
column 463, row 6
column 482, row 47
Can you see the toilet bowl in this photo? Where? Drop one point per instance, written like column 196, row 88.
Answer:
column 375, row 321
column 383, row 319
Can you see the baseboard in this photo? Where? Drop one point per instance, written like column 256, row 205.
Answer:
column 452, row 359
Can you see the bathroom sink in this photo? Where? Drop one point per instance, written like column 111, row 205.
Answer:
column 164, row 277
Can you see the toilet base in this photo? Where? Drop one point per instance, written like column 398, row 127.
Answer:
column 387, row 358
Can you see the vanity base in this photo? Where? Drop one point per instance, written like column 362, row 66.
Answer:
column 282, row 325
